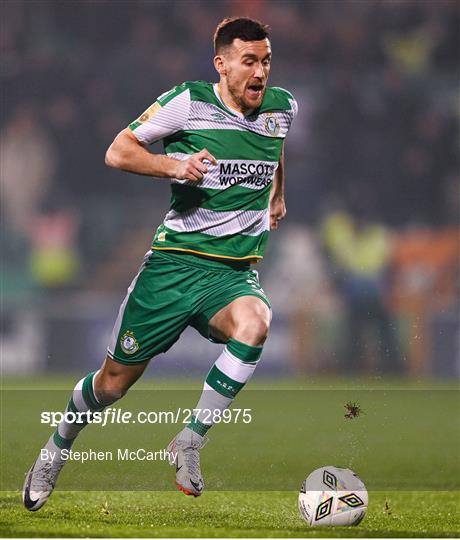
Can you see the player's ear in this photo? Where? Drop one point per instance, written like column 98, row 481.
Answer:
column 219, row 64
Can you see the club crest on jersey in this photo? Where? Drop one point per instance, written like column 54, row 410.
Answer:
column 272, row 125
column 128, row 343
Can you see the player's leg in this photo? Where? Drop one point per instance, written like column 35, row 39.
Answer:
column 151, row 318
column 113, row 380
column 92, row 393
column 243, row 324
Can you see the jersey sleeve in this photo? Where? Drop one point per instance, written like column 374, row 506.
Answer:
column 294, row 107
column 291, row 113
column 166, row 116
column 281, row 100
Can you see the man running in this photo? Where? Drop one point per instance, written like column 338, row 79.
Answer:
column 224, row 155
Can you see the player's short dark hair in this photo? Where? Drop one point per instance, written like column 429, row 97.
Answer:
column 239, row 28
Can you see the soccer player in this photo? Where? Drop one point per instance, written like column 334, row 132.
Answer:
column 224, row 155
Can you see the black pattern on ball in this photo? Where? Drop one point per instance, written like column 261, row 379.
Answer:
column 324, row 509
column 352, row 500
column 329, row 480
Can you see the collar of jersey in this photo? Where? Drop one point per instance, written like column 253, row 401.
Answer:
column 231, row 110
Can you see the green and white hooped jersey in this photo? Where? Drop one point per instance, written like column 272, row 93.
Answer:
column 226, row 214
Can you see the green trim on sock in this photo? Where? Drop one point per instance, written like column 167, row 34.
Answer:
column 60, row 442
column 223, row 384
column 71, row 406
column 246, row 353
column 198, row 427
column 88, row 394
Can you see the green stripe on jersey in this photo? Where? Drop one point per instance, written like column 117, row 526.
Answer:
column 232, row 246
column 171, row 94
column 226, row 144
column 184, row 197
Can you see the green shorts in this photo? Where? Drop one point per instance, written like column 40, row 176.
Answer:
column 170, row 292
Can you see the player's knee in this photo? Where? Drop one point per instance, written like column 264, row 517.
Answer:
column 253, row 331
column 261, row 328
column 110, row 390
column 113, row 380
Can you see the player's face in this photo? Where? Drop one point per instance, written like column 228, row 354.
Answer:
column 246, row 66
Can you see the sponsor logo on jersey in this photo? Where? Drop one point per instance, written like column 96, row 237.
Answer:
column 272, row 125
column 254, row 174
column 128, row 343
column 151, row 111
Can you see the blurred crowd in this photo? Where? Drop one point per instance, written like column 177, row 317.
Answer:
column 376, row 135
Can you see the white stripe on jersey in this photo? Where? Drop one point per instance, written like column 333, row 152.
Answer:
column 208, row 116
column 245, row 222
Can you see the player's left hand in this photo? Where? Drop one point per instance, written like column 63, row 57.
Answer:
column 277, row 211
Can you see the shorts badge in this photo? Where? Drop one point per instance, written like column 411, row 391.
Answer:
column 129, row 343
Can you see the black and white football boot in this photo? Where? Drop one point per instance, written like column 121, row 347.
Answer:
column 41, row 478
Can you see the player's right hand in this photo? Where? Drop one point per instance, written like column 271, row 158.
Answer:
column 194, row 168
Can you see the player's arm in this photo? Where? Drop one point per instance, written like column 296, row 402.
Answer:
column 166, row 116
column 129, row 154
column 277, row 204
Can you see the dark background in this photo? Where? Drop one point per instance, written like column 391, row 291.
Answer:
column 364, row 271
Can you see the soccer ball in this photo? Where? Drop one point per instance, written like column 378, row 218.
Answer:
column 333, row 497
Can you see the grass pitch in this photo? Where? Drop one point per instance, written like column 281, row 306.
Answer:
column 222, row 514
column 405, row 446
